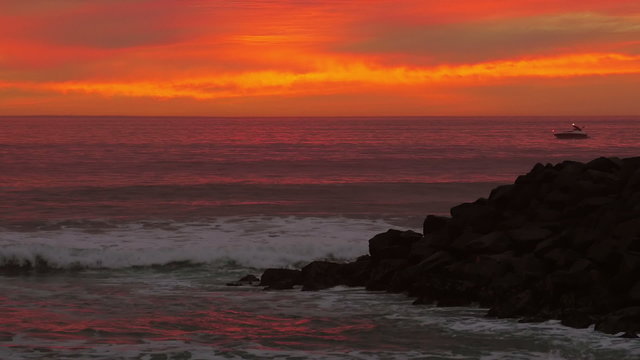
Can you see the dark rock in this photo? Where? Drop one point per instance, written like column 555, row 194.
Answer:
column 433, row 224
column 279, row 279
column 578, row 320
column 529, row 267
column 634, row 293
column 605, row 164
column 245, row 280
column 384, row 272
column 626, row 320
column 357, row 273
column 501, row 195
column 526, row 239
column 444, row 291
column 320, row 275
column 562, row 242
column 479, row 216
column 629, row 229
column 495, row 242
column 435, row 261
column 561, row 258
column 480, row 270
column 421, row 250
column 521, row 304
column 393, row 244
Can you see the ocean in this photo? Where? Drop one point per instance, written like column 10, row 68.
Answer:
column 118, row 234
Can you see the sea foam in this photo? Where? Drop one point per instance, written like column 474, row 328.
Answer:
column 256, row 242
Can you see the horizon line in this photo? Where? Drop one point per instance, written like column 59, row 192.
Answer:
column 309, row 116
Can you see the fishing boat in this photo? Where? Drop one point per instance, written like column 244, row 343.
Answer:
column 575, row 133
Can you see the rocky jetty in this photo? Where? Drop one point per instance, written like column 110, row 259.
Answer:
column 562, row 242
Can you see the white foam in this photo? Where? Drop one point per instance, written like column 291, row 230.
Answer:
column 247, row 242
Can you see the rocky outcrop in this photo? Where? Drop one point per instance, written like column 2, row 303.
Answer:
column 562, row 242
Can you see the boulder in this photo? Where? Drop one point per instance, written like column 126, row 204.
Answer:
column 357, row 273
column 393, row 244
column 384, row 272
column 501, row 195
column 280, row 279
column 245, row 280
column 480, row 216
column 492, row 243
column 320, row 275
column 434, row 224
column 604, row 164
column 577, row 319
column 527, row 238
column 625, row 320
column 421, row 250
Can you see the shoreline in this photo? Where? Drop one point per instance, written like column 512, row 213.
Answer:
column 562, row 242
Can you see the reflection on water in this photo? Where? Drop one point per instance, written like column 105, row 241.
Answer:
column 103, row 314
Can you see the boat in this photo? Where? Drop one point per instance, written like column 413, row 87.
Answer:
column 575, row 133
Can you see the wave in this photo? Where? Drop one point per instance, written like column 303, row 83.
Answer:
column 255, row 242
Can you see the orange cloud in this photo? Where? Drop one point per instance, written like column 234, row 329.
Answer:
column 231, row 50
column 351, row 75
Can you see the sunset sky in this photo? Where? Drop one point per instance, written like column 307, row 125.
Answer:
column 270, row 58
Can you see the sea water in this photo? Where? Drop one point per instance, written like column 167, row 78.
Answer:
column 135, row 225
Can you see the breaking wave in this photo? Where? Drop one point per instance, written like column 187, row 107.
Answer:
column 257, row 242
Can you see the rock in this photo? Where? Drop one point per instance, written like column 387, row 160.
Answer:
column 560, row 258
column 521, row 304
column 625, row 320
column 393, row 244
column 435, row 261
column 501, row 195
column 433, row 224
column 529, row 267
column 444, row 291
column 493, row 243
column 280, row 279
column 634, row 293
column 480, row 270
column 526, row 239
column 576, row 319
column 629, row 229
column 320, row 275
column 384, row 272
column 479, row 216
column 562, row 242
column 605, row 164
column 421, row 250
column 245, row 280
column 357, row 273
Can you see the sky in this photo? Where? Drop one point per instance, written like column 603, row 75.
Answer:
column 319, row 58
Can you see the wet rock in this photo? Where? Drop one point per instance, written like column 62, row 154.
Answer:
column 577, row 319
column 281, row 279
column 626, row 320
column 245, row 280
column 384, row 272
column 435, row 261
column 320, row 275
column 393, row 244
